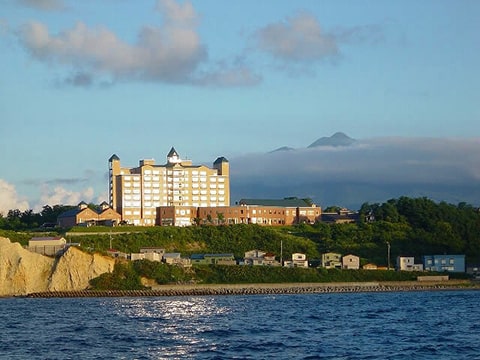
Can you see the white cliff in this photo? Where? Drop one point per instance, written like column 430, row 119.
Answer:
column 23, row 272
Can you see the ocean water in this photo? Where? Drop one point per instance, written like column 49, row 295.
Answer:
column 394, row 325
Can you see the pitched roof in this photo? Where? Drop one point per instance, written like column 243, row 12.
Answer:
column 70, row 213
column 287, row 202
column 114, row 157
column 220, row 159
column 172, row 152
column 46, row 238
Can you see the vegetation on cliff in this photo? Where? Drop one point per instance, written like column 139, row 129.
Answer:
column 127, row 275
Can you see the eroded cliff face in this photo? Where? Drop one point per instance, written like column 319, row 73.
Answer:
column 75, row 269
column 23, row 272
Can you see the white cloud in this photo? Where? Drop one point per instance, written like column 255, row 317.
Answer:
column 299, row 38
column 9, row 199
column 171, row 53
column 61, row 196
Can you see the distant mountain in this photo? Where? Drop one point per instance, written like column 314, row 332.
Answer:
column 337, row 139
column 283, row 148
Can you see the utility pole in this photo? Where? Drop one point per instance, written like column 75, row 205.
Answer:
column 388, row 254
column 281, row 252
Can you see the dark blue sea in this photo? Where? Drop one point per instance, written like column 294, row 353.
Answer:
column 393, row 325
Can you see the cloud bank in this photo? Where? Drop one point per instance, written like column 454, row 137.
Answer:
column 372, row 170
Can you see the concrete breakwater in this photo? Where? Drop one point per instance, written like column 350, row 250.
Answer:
column 253, row 289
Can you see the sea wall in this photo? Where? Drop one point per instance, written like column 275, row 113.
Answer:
column 263, row 289
column 23, row 272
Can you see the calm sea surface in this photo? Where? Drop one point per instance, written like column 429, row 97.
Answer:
column 403, row 325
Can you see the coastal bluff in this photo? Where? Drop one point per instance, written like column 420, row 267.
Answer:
column 23, row 272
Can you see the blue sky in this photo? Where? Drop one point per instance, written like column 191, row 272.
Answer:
column 81, row 80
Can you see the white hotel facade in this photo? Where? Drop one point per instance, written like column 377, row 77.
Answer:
column 138, row 194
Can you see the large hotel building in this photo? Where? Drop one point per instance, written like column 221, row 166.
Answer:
column 181, row 194
column 142, row 194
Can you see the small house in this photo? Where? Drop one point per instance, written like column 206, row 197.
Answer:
column 331, row 260
column 351, row 262
column 298, row 260
column 441, row 263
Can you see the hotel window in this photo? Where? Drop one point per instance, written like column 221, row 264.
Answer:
column 127, row 184
column 147, row 178
column 221, row 186
column 213, row 179
column 221, row 179
column 204, row 173
column 147, row 172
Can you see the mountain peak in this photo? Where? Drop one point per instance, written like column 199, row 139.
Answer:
column 337, row 139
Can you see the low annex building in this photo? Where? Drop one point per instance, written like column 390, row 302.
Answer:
column 47, row 245
column 82, row 215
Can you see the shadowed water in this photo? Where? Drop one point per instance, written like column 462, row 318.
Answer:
column 404, row 325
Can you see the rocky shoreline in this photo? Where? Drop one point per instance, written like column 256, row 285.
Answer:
column 260, row 289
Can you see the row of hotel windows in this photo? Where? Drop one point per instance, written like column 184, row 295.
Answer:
column 174, row 172
column 152, row 212
column 155, row 204
column 175, row 186
column 147, row 192
column 174, row 179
